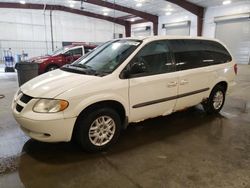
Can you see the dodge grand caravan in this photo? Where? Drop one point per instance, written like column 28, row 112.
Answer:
column 123, row 81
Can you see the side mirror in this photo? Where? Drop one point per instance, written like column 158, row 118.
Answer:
column 67, row 54
column 138, row 68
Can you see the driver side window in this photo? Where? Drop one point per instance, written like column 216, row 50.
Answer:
column 154, row 58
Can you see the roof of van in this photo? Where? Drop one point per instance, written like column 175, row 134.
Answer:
column 159, row 37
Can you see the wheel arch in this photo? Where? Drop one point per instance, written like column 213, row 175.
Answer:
column 223, row 84
column 114, row 104
column 50, row 65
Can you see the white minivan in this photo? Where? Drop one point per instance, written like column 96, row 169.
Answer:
column 123, row 81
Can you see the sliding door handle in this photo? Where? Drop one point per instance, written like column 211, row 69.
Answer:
column 183, row 82
column 172, row 84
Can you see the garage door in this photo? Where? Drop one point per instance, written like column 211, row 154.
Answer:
column 141, row 31
column 235, row 33
column 178, row 28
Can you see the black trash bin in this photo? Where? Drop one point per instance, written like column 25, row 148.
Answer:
column 26, row 71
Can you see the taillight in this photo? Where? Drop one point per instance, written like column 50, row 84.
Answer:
column 235, row 69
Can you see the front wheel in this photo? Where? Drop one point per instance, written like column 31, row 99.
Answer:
column 97, row 130
column 215, row 101
column 51, row 68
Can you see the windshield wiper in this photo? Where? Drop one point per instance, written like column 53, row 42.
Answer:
column 84, row 68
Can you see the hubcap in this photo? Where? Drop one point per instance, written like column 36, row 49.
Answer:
column 218, row 100
column 102, row 130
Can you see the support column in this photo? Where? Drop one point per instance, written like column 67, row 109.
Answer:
column 155, row 28
column 199, row 25
column 128, row 29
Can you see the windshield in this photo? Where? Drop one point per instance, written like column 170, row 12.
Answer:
column 59, row 51
column 107, row 57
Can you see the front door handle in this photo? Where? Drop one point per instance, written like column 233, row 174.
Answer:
column 183, row 82
column 172, row 84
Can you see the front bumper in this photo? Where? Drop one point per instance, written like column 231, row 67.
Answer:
column 41, row 126
column 47, row 130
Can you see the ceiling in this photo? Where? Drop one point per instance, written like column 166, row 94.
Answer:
column 156, row 7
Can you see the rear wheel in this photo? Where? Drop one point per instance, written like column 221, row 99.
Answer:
column 215, row 101
column 97, row 130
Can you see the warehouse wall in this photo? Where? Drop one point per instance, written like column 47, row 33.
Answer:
column 212, row 12
column 29, row 30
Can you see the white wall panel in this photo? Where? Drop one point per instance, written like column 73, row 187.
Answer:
column 29, row 30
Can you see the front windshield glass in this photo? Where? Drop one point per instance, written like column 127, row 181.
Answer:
column 59, row 51
column 107, row 57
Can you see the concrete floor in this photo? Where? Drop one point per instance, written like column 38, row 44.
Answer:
column 185, row 149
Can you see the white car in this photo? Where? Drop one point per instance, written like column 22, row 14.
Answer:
column 123, row 81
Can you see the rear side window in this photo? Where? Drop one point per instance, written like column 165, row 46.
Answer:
column 191, row 54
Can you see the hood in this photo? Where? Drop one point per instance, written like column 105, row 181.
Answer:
column 40, row 58
column 53, row 83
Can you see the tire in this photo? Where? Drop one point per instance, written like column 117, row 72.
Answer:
column 92, row 132
column 216, row 100
column 51, row 68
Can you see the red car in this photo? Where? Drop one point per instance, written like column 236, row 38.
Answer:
column 65, row 55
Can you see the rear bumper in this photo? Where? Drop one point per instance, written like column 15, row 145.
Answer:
column 231, row 86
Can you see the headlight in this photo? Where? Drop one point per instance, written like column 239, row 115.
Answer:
column 50, row 105
column 40, row 60
column 17, row 94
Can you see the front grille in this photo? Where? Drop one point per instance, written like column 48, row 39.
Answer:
column 19, row 108
column 26, row 98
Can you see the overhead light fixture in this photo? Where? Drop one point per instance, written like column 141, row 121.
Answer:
column 106, row 10
column 72, row 5
column 138, row 4
column 132, row 19
column 105, row 14
column 22, row 2
column 227, row 2
column 168, row 13
column 169, row 9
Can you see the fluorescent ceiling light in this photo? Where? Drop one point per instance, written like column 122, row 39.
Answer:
column 105, row 13
column 168, row 13
column 106, row 10
column 227, row 2
column 132, row 19
column 22, row 2
column 138, row 4
column 72, row 5
column 169, row 9
column 71, row 2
